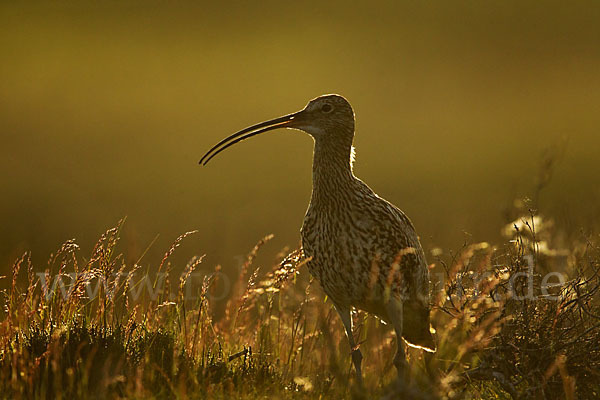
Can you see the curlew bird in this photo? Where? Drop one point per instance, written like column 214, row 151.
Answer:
column 363, row 250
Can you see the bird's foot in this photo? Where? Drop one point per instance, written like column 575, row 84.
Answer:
column 357, row 361
column 402, row 368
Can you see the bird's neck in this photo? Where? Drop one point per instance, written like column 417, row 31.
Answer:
column 332, row 169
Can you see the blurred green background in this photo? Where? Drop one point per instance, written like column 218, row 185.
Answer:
column 105, row 110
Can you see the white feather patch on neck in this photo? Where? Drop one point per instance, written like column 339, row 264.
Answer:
column 352, row 156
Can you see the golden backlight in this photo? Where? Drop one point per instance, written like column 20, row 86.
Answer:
column 105, row 110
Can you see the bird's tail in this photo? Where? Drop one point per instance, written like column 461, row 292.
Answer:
column 416, row 329
column 424, row 341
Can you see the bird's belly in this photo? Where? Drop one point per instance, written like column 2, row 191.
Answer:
column 351, row 268
column 342, row 267
column 340, row 282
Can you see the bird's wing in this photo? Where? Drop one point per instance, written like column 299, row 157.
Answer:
column 407, row 252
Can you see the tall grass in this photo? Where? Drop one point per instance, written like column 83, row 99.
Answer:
column 103, row 330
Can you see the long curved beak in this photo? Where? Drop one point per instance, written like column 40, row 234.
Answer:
column 281, row 122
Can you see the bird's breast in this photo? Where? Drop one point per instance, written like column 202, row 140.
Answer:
column 340, row 248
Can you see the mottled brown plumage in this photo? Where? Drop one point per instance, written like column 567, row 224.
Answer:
column 364, row 251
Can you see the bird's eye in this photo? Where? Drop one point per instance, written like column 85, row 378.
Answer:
column 326, row 108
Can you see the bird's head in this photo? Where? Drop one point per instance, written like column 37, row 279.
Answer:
column 328, row 117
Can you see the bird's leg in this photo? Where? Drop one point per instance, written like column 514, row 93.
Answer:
column 395, row 313
column 356, row 354
column 429, row 364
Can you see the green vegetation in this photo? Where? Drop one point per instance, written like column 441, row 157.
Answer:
column 500, row 334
